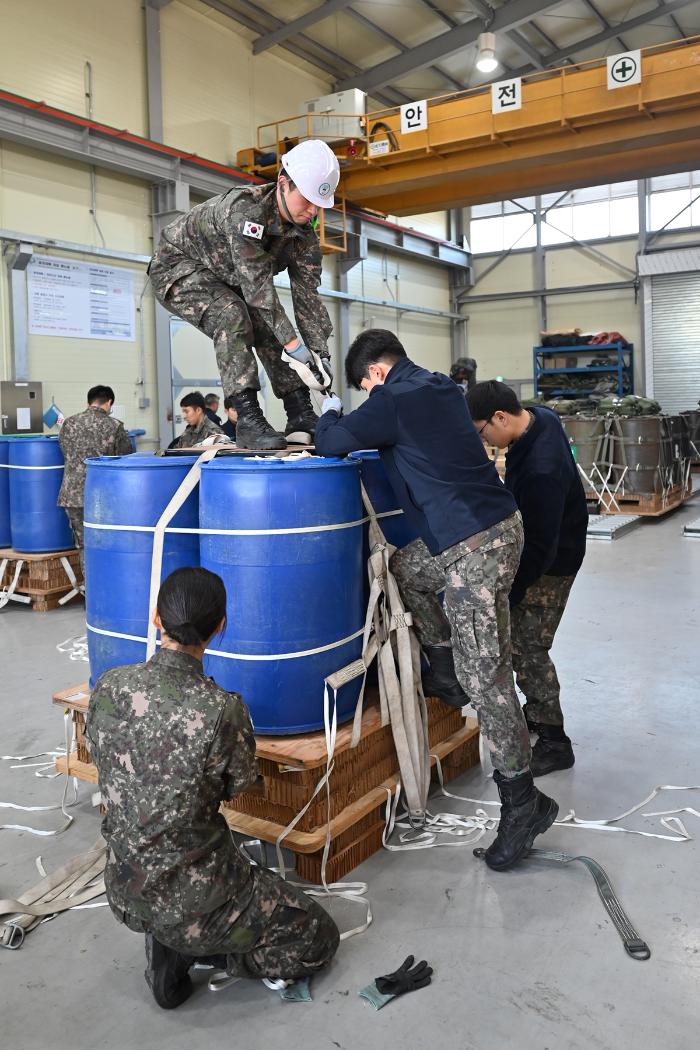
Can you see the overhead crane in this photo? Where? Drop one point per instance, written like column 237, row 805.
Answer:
column 570, row 132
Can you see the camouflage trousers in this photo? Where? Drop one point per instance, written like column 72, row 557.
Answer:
column 533, row 624
column 476, row 576
column 281, row 933
column 219, row 311
column 75, row 517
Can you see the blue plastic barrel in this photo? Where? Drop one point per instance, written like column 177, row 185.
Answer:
column 37, row 525
column 130, row 491
column 289, row 551
column 5, row 532
column 395, row 526
column 133, row 435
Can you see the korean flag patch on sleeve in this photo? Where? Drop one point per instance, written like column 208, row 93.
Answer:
column 253, row 229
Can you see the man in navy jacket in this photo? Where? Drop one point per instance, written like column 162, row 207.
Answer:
column 543, row 477
column 470, row 548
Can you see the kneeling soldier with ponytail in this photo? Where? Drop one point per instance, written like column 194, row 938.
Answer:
column 170, row 746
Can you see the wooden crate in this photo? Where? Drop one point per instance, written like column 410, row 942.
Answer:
column 42, row 577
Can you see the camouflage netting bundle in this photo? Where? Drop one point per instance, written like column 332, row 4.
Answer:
column 629, row 405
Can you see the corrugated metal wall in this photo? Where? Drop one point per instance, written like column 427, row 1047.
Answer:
column 675, row 342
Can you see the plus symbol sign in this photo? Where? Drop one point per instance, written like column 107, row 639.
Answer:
column 624, row 69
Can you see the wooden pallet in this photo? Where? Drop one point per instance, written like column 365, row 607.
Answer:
column 43, row 577
column 291, row 766
column 650, row 505
column 356, row 832
column 356, row 826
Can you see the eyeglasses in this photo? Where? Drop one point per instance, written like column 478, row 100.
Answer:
column 481, row 430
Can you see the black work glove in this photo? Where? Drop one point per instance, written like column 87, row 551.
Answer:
column 408, row 978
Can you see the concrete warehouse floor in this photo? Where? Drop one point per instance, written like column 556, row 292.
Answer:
column 526, row 958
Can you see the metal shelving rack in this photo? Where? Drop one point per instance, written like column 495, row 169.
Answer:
column 623, row 368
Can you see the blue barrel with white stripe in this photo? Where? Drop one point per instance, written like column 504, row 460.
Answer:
column 124, row 498
column 37, row 525
column 5, row 532
column 286, row 538
column 394, row 524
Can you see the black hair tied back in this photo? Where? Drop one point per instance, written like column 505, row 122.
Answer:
column 191, row 605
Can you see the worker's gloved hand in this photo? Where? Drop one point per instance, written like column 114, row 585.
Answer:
column 408, row 978
column 332, row 403
column 310, row 367
column 301, row 353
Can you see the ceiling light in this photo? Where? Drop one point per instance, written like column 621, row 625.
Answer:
column 486, row 60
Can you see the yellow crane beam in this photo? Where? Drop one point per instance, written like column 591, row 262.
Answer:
column 571, row 131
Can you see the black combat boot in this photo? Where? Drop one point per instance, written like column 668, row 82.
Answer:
column 167, row 974
column 552, row 750
column 441, row 680
column 301, row 418
column 525, row 813
column 252, row 429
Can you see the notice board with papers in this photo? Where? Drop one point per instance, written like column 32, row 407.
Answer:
column 83, row 300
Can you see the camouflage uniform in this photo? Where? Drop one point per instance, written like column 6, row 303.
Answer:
column 169, row 746
column 192, row 436
column 211, row 270
column 476, row 575
column 533, row 624
column 90, row 433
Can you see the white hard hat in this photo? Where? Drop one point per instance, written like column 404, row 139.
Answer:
column 314, row 168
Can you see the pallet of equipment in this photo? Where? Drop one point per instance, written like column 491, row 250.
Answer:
column 43, row 578
column 650, row 505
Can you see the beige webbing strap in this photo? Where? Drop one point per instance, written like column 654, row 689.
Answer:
column 188, row 484
column 398, row 661
column 72, row 885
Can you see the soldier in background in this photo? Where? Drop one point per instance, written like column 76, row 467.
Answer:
column 199, row 427
column 463, row 373
column 214, row 267
column 211, row 402
column 170, row 746
column 93, row 432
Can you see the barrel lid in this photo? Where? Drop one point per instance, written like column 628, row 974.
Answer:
column 253, row 463
column 139, row 461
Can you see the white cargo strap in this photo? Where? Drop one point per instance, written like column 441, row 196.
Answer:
column 78, row 588
column 8, row 593
column 188, row 485
column 45, row 770
column 70, row 886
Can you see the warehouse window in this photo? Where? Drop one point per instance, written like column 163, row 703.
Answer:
column 592, row 213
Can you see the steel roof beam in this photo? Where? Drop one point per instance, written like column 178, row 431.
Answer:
column 510, row 16
column 250, row 19
column 374, row 28
column 297, row 25
column 554, row 58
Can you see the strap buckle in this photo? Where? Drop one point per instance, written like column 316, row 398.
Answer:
column 638, row 949
column 17, row 935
